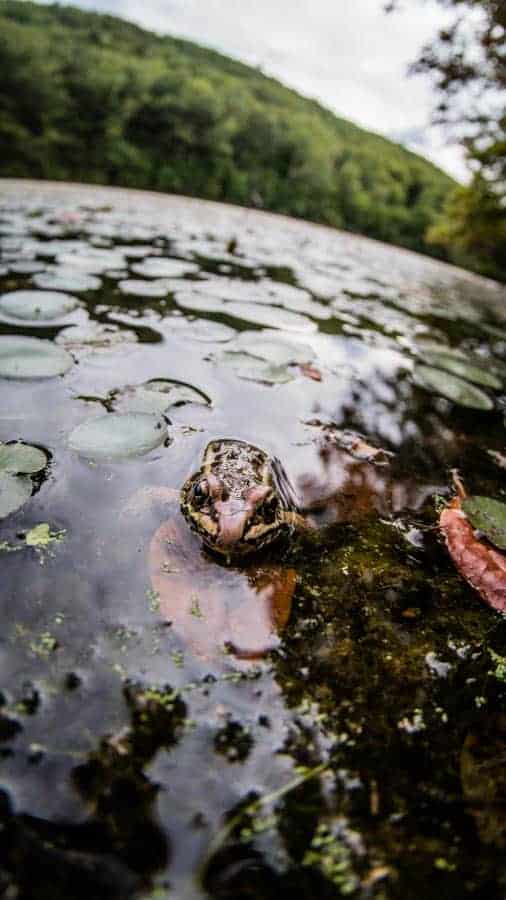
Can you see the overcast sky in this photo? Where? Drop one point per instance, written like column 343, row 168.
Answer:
column 348, row 54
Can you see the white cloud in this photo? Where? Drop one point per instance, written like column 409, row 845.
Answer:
column 348, row 54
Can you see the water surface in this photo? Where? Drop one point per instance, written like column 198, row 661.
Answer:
column 374, row 731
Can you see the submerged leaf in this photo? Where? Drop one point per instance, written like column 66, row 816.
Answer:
column 37, row 305
column 464, row 369
column 14, row 491
column 483, row 567
column 118, row 435
column 18, row 457
column 452, row 387
column 489, row 516
column 27, row 357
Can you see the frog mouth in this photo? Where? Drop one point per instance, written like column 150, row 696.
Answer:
column 231, row 528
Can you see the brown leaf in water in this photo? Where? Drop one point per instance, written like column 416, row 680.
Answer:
column 310, row 371
column 478, row 562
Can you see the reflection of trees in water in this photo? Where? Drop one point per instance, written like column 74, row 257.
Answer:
column 428, row 434
column 119, row 846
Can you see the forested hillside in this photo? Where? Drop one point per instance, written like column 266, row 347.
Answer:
column 92, row 98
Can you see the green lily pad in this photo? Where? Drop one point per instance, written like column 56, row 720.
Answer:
column 138, row 399
column 66, row 279
column 117, row 436
column 464, row 369
column 452, row 387
column 177, row 392
column 157, row 288
column 489, row 516
column 26, row 267
column 256, row 313
column 250, row 368
column 38, row 305
column 18, row 457
column 156, row 396
column 14, row 491
column 272, row 347
column 27, row 357
column 159, row 267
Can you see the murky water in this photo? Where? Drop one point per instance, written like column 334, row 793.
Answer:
column 364, row 755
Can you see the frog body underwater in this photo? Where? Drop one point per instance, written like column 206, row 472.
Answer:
column 240, row 500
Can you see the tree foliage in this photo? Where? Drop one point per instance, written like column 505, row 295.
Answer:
column 89, row 97
column 467, row 60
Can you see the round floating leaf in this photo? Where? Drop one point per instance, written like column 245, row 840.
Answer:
column 464, row 369
column 20, row 457
column 452, row 387
column 257, row 313
column 26, row 357
column 158, row 267
column 44, row 305
column 156, row 396
column 274, row 348
column 93, row 261
column 202, row 330
column 65, row 279
column 14, row 491
column 138, row 288
column 138, row 399
column 252, row 369
column 94, row 336
column 26, row 267
column 118, row 435
column 177, row 392
column 489, row 516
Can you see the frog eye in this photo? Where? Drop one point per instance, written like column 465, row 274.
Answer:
column 269, row 509
column 201, row 490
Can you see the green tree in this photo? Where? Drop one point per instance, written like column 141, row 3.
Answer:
column 467, row 61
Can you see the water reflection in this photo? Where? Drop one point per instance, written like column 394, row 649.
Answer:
column 130, row 782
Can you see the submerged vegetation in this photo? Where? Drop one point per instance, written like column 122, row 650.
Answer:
column 88, row 97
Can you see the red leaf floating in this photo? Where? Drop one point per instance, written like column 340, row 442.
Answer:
column 482, row 566
column 310, row 372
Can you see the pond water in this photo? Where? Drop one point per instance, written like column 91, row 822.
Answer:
column 357, row 748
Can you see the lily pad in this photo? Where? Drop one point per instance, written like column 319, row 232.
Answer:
column 177, row 392
column 27, row 357
column 452, row 387
column 45, row 305
column 92, row 261
column 94, row 336
column 116, row 436
column 158, row 267
column 156, row 396
column 19, row 457
column 201, row 330
column 138, row 288
column 256, row 313
column 273, row 347
column 489, row 516
column 464, row 369
column 14, row 491
column 66, row 279
column 139, row 400
column 26, row 267
column 251, row 368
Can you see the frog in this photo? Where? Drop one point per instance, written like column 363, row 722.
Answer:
column 207, row 560
column 211, row 579
column 240, row 500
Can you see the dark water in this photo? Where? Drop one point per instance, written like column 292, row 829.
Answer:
column 365, row 755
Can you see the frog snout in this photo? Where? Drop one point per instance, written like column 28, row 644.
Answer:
column 232, row 521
